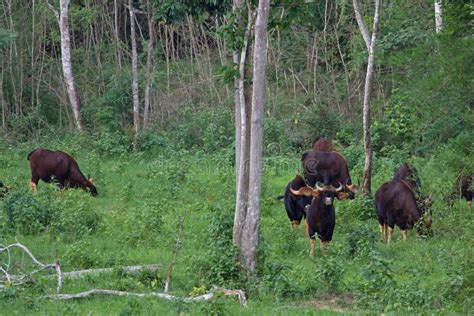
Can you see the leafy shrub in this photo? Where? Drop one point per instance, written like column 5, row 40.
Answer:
column 361, row 240
column 215, row 307
column 374, row 288
column 330, row 271
column 75, row 217
column 82, row 255
column 25, row 214
column 111, row 142
column 208, row 130
column 361, row 208
column 147, row 222
column 219, row 264
column 275, row 279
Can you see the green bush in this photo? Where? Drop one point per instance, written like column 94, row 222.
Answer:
column 374, row 287
column 75, row 217
column 362, row 239
column 218, row 264
column 330, row 270
column 275, row 279
column 361, row 208
column 81, row 255
column 25, row 214
column 207, row 131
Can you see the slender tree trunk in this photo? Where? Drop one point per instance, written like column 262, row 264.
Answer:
column 244, row 151
column 3, row 102
column 16, row 97
column 370, row 43
column 62, row 18
column 136, row 101
column 117, row 37
column 251, row 235
column 32, row 65
column 149, row 66
column 237, row 5
column 438, row 15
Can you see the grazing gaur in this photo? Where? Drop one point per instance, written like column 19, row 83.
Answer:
column 3, row 189
column 295, row 205
column 395, row 203
column 57, row 166
column 322, row 144
column 320, row 216
column 466, row 188
column 329, row 168
column 409, row 174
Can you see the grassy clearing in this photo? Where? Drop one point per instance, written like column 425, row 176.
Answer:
column 144, row 197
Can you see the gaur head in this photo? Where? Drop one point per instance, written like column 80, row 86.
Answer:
column 90, row 187
column 327, row 191
column 348, row 192
column 423, row 226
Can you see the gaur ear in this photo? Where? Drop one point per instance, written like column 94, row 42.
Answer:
column 342, row 195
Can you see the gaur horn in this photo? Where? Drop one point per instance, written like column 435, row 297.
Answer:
column 307, row 191
column 340, row 187
column 351, row 187
column 320, row 189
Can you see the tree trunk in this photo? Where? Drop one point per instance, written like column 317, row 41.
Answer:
column 62, row 18
column 242, row 175
column 237, row 5
column 370, row 43
column 438, row 15
column 3, row 102
column 117, row 37
column 136, row 101
column 250, row 240
column 247, row 212
column 149, row 66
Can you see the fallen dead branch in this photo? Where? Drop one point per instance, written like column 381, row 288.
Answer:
column 13, row 279
column 205, row 297
column 6, row 277
column 129, row 269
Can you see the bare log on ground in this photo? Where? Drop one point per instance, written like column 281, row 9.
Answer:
column 205, row 297
column 129, row 269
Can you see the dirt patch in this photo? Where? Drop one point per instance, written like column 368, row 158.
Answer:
column 333, row 302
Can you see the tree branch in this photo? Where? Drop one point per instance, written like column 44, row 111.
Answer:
column 20, row 279
column 130, row 269
column 53, row 9
column 360, row 21
column 376, row 22
column 205, row 297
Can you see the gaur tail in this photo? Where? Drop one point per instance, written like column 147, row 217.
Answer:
column 280, row 197
column 28, row 157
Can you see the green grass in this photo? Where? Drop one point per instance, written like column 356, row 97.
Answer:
column 144, row 197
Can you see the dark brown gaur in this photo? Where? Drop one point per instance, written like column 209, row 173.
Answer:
column 329, row 168
column 320, row 216
column 395, row 204
column 322, row 144
column 466, row 188
column 295, row 205
column 60, row 167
